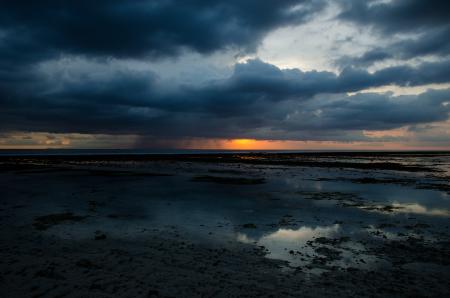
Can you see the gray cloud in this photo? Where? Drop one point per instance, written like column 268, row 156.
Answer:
column 427, row 21
column 397, row 16
column 98, row 93
column 35, row 29
column 434, row 43
column 257, row 101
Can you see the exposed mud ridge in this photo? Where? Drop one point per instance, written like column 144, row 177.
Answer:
column 228, row 180
column 349, row 200
column 37, row 167
column 397, row 181
column 327, row 195
column 118, row 173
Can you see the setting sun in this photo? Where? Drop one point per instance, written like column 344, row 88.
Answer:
column 243, row 142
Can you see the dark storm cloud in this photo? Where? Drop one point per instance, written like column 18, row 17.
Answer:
column 428, row 21
column 374, row 111
column 434, row 43
column 34, row 29
column 95, row 93
column 256, row 80
column 398, row 16
column 257, row 100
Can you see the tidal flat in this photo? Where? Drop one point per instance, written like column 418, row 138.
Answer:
column 226, row 225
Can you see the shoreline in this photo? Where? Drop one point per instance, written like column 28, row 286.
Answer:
column 190, row 226
column 371, row 160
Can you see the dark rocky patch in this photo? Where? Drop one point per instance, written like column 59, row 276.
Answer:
column 325, row 195
column 331, row 241
column 99, row 235
column 47, row 221
column 329, row 253
column 118, row 173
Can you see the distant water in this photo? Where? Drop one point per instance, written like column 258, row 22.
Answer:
column 45, row 152
column 71, row 152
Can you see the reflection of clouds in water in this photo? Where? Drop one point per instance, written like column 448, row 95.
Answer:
column 318, row 185
column 301, row 235
column 279, row 243
column 419, row 209
column 407, row 208
column 292, row 246
column 379, row 232
column 288, row 235
column 293, row 183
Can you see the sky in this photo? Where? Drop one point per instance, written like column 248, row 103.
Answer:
column 229, row 74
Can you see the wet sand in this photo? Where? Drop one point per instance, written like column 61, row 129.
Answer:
column 226, row 225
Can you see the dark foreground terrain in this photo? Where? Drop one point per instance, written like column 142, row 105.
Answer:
column 225, row 225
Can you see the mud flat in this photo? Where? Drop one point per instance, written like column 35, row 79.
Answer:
column 225, row 225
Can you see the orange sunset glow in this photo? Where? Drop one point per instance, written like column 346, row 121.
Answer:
column 99, row 141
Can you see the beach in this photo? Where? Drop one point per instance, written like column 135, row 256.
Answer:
column 340, row 224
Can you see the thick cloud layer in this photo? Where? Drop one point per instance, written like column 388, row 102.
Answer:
column 258, row 100
column 397, row 16
column 426, row 23
column 433, row 43
column 65, row 68
column 143, row 27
